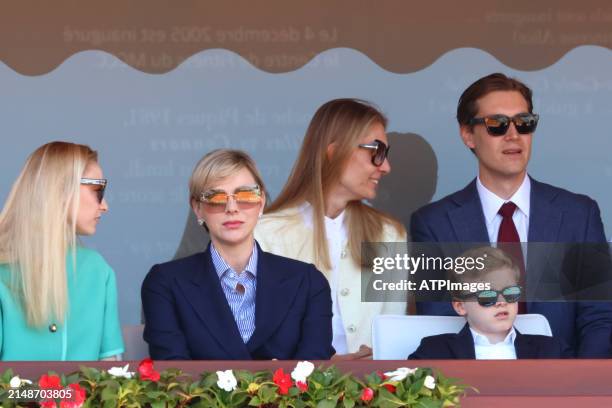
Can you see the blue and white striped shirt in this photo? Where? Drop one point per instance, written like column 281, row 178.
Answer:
column 241, row 304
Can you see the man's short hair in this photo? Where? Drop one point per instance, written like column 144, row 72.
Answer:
column 468, row 106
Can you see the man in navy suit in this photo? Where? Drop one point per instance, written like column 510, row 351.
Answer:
column 504, row 204
column 188, row 317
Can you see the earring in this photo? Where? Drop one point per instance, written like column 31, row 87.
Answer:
column 201, row 221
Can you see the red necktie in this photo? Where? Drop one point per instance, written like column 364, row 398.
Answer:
column 509, row 234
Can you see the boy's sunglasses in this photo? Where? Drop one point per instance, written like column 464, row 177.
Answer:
column 380, row 151
column 497, row 125
column 243, row 196
column 96, row 182
column 488, row 298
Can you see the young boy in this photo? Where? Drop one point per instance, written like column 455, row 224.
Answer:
column 489, row 332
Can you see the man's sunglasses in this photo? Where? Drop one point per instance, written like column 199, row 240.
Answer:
column 488, row 298
column 243, row 196
column 497, row 125
column 96, row 182
column 380, row 151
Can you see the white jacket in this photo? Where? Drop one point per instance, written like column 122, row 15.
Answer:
column 285, row 233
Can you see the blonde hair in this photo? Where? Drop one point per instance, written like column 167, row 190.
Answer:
column 38, row 228
column 343, row 122
column 492, row 260
column 217, row 165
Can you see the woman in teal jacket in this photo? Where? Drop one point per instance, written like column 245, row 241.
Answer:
column 58, row 300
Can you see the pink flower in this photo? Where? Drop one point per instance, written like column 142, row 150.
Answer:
column 146, row 370
column 367, row 394
column 282, row 380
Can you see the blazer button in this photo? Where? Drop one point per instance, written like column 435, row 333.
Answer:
column 345, row 291
column 53, row 328
column 351, row 328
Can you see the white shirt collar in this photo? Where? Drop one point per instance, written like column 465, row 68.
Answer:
column 481, row 340
column 491, row 202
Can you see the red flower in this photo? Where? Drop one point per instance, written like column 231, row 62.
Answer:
column 302, row 386
column 78, row 397
column 390, row 388
column 50, row 381
column 146, row 370
column 367, row 394
column 381, row 375
column 282, row 380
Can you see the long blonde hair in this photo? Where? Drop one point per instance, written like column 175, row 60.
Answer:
column 343, row 122
column 38, row 228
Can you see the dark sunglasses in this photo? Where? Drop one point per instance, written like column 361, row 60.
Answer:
column 488, row 298
column 497, row 125
column 380, row 151
column 96, row 182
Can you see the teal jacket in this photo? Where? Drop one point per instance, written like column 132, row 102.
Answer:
column 91, row 329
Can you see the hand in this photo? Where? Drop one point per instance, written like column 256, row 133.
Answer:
column 364, row 353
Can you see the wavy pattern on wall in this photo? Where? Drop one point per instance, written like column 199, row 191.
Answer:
column 278, row 36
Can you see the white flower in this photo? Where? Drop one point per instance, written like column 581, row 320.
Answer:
column 16, row 382
column 121, row 372
column 400, row 373
column 302, row 370
column 227, row 381
column 430, row 382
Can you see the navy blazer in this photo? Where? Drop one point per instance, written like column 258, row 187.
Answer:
column 461, row 346
column 556, row 215
column 187, row 316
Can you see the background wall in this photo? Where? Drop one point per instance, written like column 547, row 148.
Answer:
column 154, row 86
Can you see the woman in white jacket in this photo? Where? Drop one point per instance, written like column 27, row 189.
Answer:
column 320, row 217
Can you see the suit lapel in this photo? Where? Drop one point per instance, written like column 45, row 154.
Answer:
column 205, row 294
column 276, row 289
column 524, row 347
column 462, row 344
column 467, row 218
column 544, row 219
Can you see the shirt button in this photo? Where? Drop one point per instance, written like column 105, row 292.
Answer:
column 53, row 328
column 343, row 253
column 345, row 291
column 351, row 328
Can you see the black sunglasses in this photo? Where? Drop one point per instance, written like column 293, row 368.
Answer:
column 497, row 125
column 381, row 151
column 96, row 182
column 488, row 298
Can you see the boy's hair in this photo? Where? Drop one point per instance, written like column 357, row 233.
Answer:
column 491, row 259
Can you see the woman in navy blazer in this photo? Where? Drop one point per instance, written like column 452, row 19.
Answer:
column 234, row 301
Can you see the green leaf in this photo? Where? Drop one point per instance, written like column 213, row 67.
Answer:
column 348, row 403
column 326, row 404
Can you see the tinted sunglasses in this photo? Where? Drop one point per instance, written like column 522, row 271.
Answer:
column 96, row 182
column 244, row 196
column 488, row 298
column 497, row 125
column 380, row 151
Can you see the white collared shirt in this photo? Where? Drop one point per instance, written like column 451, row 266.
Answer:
column 504, row 350
column 491, row 203
column 337, row 237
